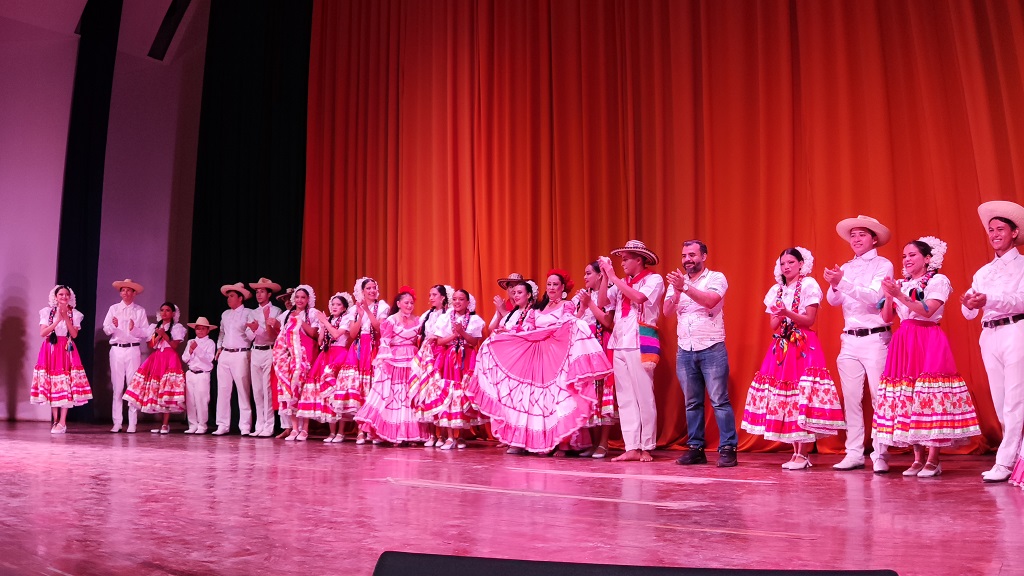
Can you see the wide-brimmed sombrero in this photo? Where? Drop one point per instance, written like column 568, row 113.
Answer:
column 1003, row 208
column 882, row 233
column 266, row 283
column 237, row 287
column 202, row 321
column 511, row 279
column 638, row 247
column 128, row 283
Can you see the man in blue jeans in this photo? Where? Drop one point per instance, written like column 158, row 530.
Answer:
column 696, row 296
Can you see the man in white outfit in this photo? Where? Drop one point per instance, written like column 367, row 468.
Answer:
column 857, row 287
column 233, row 360
column 998, row 293
column 637, row 303
column 261, row 360
column 127, row 325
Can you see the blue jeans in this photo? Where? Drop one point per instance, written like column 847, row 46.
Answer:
column 708, row 370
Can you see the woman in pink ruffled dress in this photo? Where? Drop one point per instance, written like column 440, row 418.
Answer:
column 535, row 378
column 387, row 413
column 425, row 393
column 793, row 398
column 158, row 386
column 317, row 394
column 294, row 349
column 59, row 379
column 922, row 399
column 370, row 312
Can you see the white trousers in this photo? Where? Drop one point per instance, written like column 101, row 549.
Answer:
column 197, row 399
column 124, row 362
column 860, row 358
column 1002, row 350
column 260, row 364
column 233, row 367
column 286, row 419
column 634, row 389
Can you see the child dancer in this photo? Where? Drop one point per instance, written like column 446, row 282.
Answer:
column 198, row 356
column 158, row 387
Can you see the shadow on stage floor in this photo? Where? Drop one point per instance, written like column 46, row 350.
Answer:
column 91, row 502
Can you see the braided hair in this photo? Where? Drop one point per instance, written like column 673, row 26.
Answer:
column 445, row 299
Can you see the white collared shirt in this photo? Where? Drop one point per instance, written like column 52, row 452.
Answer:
column 380, row 309
column 233, row 331
column 697, row 327
column 126, row 314
column 1002, row 282
column 938, row 288
column 202, row 358
column 626, row 332
column 860, row 290
column 435, row 323
column 261, row 337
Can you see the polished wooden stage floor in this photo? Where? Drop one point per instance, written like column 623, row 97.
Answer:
column 91, row 502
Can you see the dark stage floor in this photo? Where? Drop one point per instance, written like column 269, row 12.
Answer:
column 91, row 502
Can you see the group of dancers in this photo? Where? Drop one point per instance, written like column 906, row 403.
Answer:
column 559, row 368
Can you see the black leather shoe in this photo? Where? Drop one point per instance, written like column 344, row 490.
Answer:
column 727, row 456
column 694, row 455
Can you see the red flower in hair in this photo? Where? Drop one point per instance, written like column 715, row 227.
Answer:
column 565, row 276
column 409, row 290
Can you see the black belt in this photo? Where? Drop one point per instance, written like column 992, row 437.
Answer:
column 234, row 349
column 1003, row 321
column 126, row 345
column 267, row 347
column 861, row 332
column 198, row 371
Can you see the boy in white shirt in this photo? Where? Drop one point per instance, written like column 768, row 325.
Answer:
column 198, row 355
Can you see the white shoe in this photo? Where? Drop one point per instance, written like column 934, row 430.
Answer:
column 131, row 429
column 220, row 431
column 338, row 438
column 266, row 433
column 115, row 429
column 292, row 436
column 851, row 462
column 927, row 472
column 58, row 429
column 800, row 463
column 190, row 430
column 431, row 442
column 460, row 444
column 448, row 444
column 329, row 439
column 998, row 473
column 881, row 465
column 247, row 433
column 200, row 430
column 994, row 468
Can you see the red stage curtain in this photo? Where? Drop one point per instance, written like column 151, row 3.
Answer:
column 455, row 141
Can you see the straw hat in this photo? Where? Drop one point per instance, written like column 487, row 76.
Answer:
column 513, row 278
column 128, row 283
column 638, row 247
column 286, row 296
column 266, row 283
column 237, row 287
column 881, row 232
column 1002, row 208
column 202, row 321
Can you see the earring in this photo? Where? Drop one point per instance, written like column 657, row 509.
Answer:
column 564, row 294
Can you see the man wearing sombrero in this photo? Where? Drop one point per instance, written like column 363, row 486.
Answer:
column 233, row 360
column 262, row 357
column 857, row 287
column 127, row 324
column 634, row 339
column 998, row 293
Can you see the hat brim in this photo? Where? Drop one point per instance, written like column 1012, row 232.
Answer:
column 882, row 233
column 193, row 325
column 272, row 286
column 133, row 285
column 505, row 283
column 650, row 257
column 1003, row 208
column 235, row 288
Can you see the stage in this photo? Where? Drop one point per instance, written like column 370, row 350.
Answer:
column 91, row 502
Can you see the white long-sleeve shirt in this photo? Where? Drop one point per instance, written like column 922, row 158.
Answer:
column 1002, row 282
column 234, row 334
column 201, row 359
column 261, row 337
column 126, row 314
column 860, row 290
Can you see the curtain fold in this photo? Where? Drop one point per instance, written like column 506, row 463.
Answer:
column 455, row 141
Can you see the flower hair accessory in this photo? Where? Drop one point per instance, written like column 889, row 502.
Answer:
column 805, row 269
column 308, row 290
column 533, row 289
column 569, row 285
column 409, row 290
column 938, row 251
column 448, row 292
column 357, row 290
column 177, row 314
column 345, row 297
column 472, row 303
column 52, row 301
